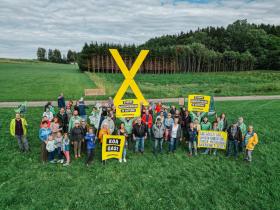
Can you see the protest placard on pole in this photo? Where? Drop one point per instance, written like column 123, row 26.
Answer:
column 112, row 146
column 198, row 103
column 128, row 108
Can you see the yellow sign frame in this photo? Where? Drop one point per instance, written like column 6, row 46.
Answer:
column 112, row 146
column 129, row 75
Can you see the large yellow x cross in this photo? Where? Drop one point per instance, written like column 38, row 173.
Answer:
column 129, row 75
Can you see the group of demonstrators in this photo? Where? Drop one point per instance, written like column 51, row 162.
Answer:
column 71, row 129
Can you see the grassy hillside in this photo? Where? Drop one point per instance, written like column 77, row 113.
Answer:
column 180, row 85
column 27, row 80
column 147, row 182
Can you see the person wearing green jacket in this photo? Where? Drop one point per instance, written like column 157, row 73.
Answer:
column 128, row 125
column 199, row 116
column 205, row 124
column 72, row 120
column 243, row 129
column 18, row 129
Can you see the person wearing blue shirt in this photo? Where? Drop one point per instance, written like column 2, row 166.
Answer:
column 90, row 141
column 44, row 134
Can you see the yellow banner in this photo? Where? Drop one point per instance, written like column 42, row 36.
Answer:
column 112, row 146
column 128, row 108
column 198, row 103
column 212, row 139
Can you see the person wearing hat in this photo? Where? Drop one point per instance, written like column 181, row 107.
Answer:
column 77, row 136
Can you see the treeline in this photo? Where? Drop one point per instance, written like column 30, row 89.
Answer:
column 55, row 56
column 239, row 46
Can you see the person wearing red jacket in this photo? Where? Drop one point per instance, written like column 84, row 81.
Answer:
column 147, row 119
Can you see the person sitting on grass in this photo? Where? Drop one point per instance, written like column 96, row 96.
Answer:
column 66, row 148
column 18, row 129
column 51, row 147
column 139, row 133
column 251, row 140
column 90, row 144
column 234, row 137
column 44, row 134
column 192, row 133
column 158, row 131
column 58, row 143
column 175, row 135
column 123, row 132
column 77, row 136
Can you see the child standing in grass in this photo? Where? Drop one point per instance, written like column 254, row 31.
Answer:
column 251, row 140
column 44, row 134
column 51, row 146
column 192, row 132
column 66, row 148
column 77, row 136
column 90, row 143
column 58, row 142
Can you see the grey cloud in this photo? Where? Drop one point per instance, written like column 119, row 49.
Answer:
column 28, row 24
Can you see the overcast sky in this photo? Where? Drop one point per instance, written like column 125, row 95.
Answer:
column 68, row 24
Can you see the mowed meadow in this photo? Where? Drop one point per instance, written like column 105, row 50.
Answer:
column 34, row 81
column 22, row 80
column 147, row 182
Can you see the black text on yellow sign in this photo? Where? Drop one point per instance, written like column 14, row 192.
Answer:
column 128, row 108
column 198, row 103
column 112, row 146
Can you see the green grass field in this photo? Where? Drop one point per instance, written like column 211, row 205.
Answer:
column 26, row 80
column 181, row 85
column 147, row 182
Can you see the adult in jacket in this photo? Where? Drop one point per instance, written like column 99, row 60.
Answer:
column 18, row 129
column 158, row 131
column 234, row 138
column 139, row 133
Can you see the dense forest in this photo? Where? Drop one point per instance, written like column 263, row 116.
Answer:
column 240, row 46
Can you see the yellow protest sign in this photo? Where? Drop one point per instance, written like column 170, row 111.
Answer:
column 129, row 75
column 128, row 108
column 212, row 139
column 112, row 146
column 198, row 103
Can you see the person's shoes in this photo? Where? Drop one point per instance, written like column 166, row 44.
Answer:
column 124, row 160
column 214, row 153
column 66, row 164
column 120, row 160
column 76, row 156
column 79, row 156
column 204, row 153
column 195, row 154
column 52, row 161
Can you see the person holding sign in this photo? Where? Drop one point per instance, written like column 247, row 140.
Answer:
column 214, row 128
column 122, row 132
column 139, row 133
column 176, row 132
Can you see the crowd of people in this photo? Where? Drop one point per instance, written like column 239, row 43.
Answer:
column 71, row 129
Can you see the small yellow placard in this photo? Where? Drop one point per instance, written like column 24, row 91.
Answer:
column 128, row 108
column 198, row 103
column 112, row 146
